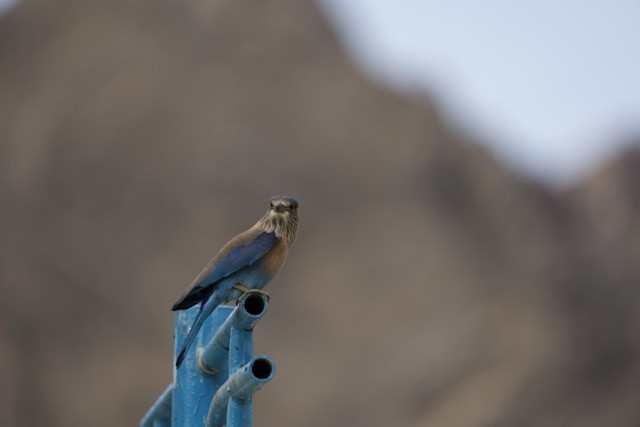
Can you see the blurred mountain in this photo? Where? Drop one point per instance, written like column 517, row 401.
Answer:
column 428, row 287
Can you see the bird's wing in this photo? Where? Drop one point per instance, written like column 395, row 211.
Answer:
column 242, row 251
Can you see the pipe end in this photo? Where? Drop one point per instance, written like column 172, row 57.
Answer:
column 255, row 304
column 262, row 368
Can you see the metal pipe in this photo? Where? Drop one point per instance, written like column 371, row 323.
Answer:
column 206, row 367
column 236, row 393
column 194, row 389
column 251, row 308
column 159, row 415
column 239, row 411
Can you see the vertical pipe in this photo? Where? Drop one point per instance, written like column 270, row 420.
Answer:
column 246, row 315
column 206, row 370
column 194, row 389
column 239, row 412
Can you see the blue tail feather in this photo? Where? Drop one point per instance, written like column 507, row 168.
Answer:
column 207, row 306
column 191, row 336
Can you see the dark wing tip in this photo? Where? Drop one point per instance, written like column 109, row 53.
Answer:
column 184, row 304
column 190, row 298
column 178, row 305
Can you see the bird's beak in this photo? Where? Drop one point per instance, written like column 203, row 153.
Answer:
column 279, row 207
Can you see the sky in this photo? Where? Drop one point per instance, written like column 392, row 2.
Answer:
column 6, row 4
column 551, row 87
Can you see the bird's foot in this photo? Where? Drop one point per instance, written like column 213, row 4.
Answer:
column 245, row 291
column 241, row 288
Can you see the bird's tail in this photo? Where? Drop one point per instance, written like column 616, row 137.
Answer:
column 190, row 337
column 205, row 310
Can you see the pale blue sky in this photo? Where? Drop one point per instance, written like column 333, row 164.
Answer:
column 551, row 87
column 4, row 4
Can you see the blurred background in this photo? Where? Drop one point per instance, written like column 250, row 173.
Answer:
column 469, row 181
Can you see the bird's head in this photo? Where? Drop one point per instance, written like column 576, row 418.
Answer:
column 283, row 205
column 282, row 217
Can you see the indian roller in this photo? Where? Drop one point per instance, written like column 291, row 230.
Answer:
column 247, row 262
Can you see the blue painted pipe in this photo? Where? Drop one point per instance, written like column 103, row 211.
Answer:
column 250, row 309
column 159, row 415
column 194, row 389
column 190, row 401
column 236, row 394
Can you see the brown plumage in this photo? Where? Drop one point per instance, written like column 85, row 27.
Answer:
column 251, row 259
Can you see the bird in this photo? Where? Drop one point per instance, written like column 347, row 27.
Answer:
column 248, row 262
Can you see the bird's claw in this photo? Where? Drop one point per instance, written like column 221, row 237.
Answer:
column 245, row 291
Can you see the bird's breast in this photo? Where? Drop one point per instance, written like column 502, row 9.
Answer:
column 273, row 260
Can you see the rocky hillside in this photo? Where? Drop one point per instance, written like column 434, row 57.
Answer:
column 428, row 286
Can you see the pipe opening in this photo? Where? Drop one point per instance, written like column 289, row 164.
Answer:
column 262, row 369
column 254, row 304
